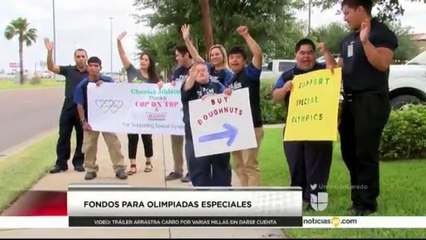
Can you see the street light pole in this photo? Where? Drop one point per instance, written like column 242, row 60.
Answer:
column 54, row 35
column 111, row 18
column 309, row 17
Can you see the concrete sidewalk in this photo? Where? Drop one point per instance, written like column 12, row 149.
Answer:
column 162, row 165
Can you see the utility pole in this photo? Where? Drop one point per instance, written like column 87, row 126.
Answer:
column 309, row 17
column 54, row 35
column 111, row 18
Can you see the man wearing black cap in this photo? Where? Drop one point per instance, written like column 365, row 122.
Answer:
column 366, row 54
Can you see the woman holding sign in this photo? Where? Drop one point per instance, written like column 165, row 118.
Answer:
column 146, row 74
column 309, row 161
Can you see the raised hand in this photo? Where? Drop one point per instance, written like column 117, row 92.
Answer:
column 49, row 45
column 365, row 30
column 192, row 72
column 185, row 31
column 121, row 36
column 243, row 30
column 323, row 47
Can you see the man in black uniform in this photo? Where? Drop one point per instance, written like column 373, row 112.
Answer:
column 68, row 119
column 366, row 54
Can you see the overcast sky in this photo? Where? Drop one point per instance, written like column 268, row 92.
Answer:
column 86, row 24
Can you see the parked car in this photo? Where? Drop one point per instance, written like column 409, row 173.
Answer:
column 407, row 83
column 274, row 68
column 322, row 59
column 46, row 74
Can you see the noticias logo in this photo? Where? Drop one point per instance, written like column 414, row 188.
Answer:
column 335, row 221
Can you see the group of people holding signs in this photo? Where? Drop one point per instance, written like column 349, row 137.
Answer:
column 365, row 56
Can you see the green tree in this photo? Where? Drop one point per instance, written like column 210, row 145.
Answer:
column 332, row 34
column 161, row 45
column 282, row 44
column 407, row 48
column 388, row 10
column 226, row 16
column 20, row 27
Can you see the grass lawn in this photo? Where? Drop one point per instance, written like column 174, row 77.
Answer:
column 45, row 83
column 20, row 171
column 402, row 191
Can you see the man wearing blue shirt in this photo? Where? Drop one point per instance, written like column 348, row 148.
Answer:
column 309, row 161
column 248, row 76
column 184, row 61
column 90, row 139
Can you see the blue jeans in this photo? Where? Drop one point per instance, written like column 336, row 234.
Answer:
column 214, row 170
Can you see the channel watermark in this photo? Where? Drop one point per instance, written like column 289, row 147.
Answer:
column 342, row 187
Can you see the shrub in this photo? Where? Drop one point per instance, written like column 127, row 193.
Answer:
column 36, row 80
column 271, row 112
column 404, row 136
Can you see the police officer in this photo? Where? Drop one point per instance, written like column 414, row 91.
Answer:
column 309, row 161
column 68, row 118
column 366, row 54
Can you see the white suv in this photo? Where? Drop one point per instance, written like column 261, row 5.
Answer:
column 276, row 67
column 407, row 83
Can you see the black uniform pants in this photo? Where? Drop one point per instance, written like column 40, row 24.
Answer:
column 67, row 121
column 363, row 118
column 309, row 163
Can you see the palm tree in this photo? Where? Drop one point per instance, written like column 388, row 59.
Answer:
column 19, row 27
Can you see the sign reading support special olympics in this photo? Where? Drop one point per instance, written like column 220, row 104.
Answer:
column 313, row 106
column 224, row 122
column 135, row 108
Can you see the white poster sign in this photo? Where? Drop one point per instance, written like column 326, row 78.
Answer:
column 222, row 123
column 135, row 108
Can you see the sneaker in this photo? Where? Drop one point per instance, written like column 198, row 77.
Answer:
column 186, row 178
column 57, row 169
column 79, row 168
column 174, row 176
column 121, row 174
column 90, row 175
